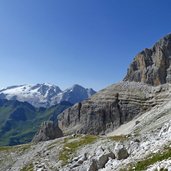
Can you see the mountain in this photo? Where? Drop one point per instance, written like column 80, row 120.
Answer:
column 45, row 95
column 126, row 126
column 74, row 94
column 19, row 121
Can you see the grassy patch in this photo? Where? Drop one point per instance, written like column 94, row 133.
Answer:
column 142, row 165
column 70, row 148
column 24, row 147
column 5, row 148
column 21, row 148
column 28, row 167
column 118, row 138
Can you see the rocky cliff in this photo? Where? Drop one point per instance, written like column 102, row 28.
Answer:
column 111, row 107
column 152, row 66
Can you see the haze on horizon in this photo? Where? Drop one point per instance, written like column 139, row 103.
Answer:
column 87, row 42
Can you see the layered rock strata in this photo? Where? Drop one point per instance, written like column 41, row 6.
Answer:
column 111, row 107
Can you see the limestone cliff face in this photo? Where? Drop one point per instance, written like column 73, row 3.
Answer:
column 111, row 107
column 152, row 66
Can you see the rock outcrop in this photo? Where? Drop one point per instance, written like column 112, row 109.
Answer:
column 48, row 131
column 121, row 152
column 152, row 66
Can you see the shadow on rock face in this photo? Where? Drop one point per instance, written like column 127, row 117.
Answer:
column 48, row 131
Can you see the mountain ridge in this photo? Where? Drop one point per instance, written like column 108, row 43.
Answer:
column 46, row 95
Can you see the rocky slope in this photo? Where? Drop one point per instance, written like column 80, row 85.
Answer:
column 45, row 95
column 152, row 66
column 148, row 151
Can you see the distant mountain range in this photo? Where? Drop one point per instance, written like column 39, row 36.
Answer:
column 24, row 108
column 46, row 95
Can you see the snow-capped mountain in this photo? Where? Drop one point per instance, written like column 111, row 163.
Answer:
column 45, row 95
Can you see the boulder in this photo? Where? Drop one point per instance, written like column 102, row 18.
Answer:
column 89, row 165
column 92, row 166
column 103, row 158
column 120, row 152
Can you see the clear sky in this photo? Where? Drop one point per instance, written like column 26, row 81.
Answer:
column 86, row 42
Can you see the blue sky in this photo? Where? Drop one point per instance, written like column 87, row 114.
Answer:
column 88, row 42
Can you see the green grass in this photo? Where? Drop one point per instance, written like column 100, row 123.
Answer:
column 70, row 147
column 5, row 148
column 21, row 148
column 118, row 138
column 28, row 167
column 142, row 165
